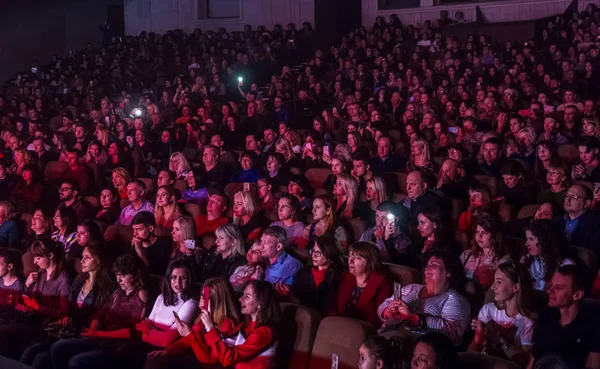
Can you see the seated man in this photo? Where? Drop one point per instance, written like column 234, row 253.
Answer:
column 361, row 169
column 386, row 161
column 419, row 196
column 154, row 251
column 136, row 190
column 282, row 267
column 215, row 171
column 206, row 225
column 68, row 193
column 387, row 235
column 453, row 182
column 580, row 223
column 78, row 172
column 492, row 156
column 566, row 332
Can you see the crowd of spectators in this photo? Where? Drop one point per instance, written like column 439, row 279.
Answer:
column 442, row 191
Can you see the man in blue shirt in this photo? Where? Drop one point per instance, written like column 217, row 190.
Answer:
column 282, row 267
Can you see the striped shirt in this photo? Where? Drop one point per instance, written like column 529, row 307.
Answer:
column 449, row 313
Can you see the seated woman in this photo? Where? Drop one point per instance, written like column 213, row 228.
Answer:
column 277, row 169
column 88, row 293
column 266, row 195
column 21, row 158
column 346, row 192
column 183, row 233
column 434, row 306
column 546, row 154
column 120, row 179
column 486, row 253
column 364, row 287
column 166, row 210
column 434, row 350
column 589, row 153
column 300, row 188
column 316, row 286
column 115, row 321
column 284, row 147
column 196, row 192
column 9, row 229
column 515, row 189
column 118, row 157
column 65, row 233
column 179, row 165
column 45, row 296
column 109, row 206
column 339, row 165
column 244, row 215
column 27, row 194
column 324, row 221
column 41, row 224
column 504, row 328
column 375, row 194
column 480, row 202
column 12, row 284
column 225, row 315
column 558, row 182
column 249, row 171
column 95, row 153
column 226, row 255
column 526, row 138
column 544, row 252
column 254, row 270
column 434, row 236
column 289, row 213
column 420, row 157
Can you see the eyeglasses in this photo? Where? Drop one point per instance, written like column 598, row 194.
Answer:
column 574, row 197
column 318, row 254
column 553, row 173
column 64, row 189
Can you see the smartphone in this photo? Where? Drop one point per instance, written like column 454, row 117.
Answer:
column 391, row 218
column 206, row 297
column 190, row 244
column 596, row 186
column 246, row 187
column 334, row 361
column 107, row 119
column 176, row 316
column 326, row 151
column 397, row 291
column 453, row 130
column 34, row 70
column 411, row 99
column 308, row 146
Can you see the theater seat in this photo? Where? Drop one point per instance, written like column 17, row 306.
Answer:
column 300, row 325
column 568, row 153
column 341, row 336
column 358, row 228
column 54, row 171
column 403, row 274
column 28, row 265
column 192, row 209
column 528, row 211
column 506, row 212
column 231, row 189
column 492, row 183
column 317, row 176
column 149, row 182
column 585, row 255
column 477, row 360
column 180, row 185
column 400, row 178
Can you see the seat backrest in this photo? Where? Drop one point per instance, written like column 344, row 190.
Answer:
column 192, row 209
column 403, row 274
column 457, row 207
column 528, row 211
column 180, row 185
column 358, row 228
column 28, row 265
column 478, row 360
column 55, row 170
column 400, row 178
column 506, row 212
column 489, row 181
column 97, row 175
column 585, row 255
column 568, row 153
column 149, row 183
column 231, row 189
column 300, row 325
column 93, row 201
column 341, row 336
column 317, row 176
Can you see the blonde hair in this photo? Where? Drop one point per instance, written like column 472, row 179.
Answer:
column 123, row 173
column 234, row 234
column 529, row 131
column 26, row 157
column 8, row 208
column 163, row 213
column 593, row 120
column 187, row 228
column 283, row 143
column 350, row 186
column 380, row 188
column 248, row 203
column 183, row 167
column 426, row 149
column 105, row 135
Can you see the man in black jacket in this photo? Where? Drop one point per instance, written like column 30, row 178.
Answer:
column 419, row 196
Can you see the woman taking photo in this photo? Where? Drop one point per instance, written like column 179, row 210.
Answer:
column 65, row 231
column 513, row 307
column 346, row 192
column 256, row 337
column 420, row 157
column 434, row 306
column 324, row 221
column 316, row 286
column 245, row 217
column 184, row 229
column 363, row 288
column 166, row 210
column 115, row 321
column 109, row 206
column 223, row 312
column 486, row 253
column 289, row 213
column 227, row 254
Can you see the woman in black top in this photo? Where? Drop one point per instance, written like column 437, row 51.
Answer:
column 226, row 255
column 110, row 209
column 315, row 286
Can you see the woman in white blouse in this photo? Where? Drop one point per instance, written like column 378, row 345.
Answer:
column 504, row 328
column 434, row 306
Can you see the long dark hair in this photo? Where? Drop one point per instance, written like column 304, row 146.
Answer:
column 93, row 229
column 491, row 225
column 330, row 250
column 69, row 219
column 104, row 283
column 549, row 242
column 517, row 273
column 269, row 313
column 440, row 233
column 169, row 296
column 130, row 264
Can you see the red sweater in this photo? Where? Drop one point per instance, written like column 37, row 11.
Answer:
column 378, row 288
column 253, row 348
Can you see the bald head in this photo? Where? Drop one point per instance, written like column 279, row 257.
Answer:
column 450, row 170
column 415, row 184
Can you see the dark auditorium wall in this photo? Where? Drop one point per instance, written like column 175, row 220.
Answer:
column 35, row 29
